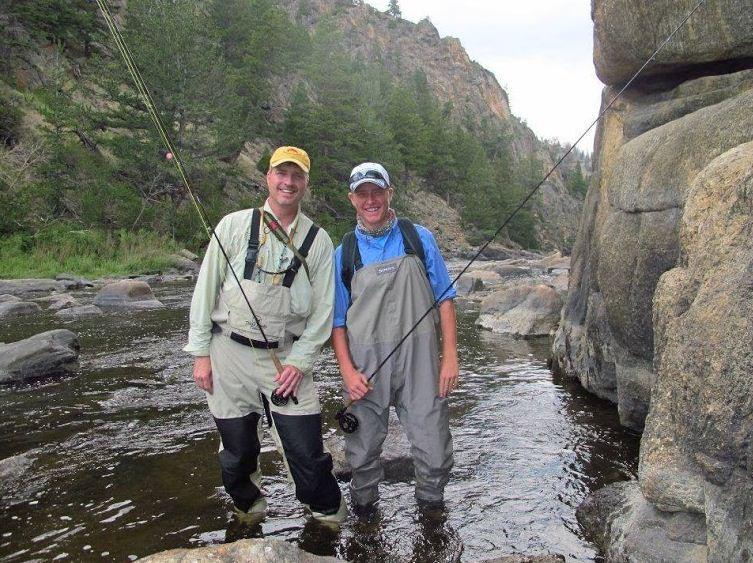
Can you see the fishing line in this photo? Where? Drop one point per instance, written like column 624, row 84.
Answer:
column 162, row 131
column 348, row 422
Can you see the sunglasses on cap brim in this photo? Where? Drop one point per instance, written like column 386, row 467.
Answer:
column 369, row 174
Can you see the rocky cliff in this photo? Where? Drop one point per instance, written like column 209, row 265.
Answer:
column 658, row 314
column 473, row 92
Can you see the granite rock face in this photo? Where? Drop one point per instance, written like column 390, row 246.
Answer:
column 659, row 308
column 626, row 32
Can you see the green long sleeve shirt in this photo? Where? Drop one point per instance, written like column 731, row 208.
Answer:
column 310, row 300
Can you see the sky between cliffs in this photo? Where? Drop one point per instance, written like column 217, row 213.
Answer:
column 539, row 50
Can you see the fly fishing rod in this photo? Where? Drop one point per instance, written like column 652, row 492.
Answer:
column 348, row 421
column 173, row 155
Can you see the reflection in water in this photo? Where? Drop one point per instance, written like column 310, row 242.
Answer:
column 120, row 460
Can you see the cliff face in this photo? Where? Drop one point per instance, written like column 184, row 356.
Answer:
column 404, row 47
column 658, row 315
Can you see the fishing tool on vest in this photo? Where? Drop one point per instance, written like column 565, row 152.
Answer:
column 347, row 421
column 172, row 155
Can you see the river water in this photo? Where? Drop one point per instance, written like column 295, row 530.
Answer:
column 122, row 457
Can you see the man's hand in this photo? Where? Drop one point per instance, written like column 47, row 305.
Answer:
column 448, row 376
column 289, row 379
column 356, row 385
column 202, row 373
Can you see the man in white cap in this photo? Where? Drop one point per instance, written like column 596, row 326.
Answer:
column 284, row 267
column 388, row 273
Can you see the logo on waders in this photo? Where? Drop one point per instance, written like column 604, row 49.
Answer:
column 386, row 269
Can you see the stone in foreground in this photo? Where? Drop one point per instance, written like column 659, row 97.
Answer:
column 242, row 551
column 54, row 352
column 127, row 294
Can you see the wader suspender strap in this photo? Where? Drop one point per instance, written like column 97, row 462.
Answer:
column 253, row 245
column 279, row 232
column 302, row 252
column 351, row 256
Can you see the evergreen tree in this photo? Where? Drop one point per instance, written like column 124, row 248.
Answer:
column 394, row 9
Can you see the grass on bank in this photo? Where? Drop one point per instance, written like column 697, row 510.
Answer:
column 87, row 253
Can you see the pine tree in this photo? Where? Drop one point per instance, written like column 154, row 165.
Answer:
column 394, row 9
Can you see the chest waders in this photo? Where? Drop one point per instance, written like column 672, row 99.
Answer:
column 387, row 297
column 244, row 390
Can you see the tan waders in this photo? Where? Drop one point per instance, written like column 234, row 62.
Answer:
column 243, row 381
column 387, row 299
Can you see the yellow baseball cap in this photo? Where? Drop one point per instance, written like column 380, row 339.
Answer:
column 290, row 154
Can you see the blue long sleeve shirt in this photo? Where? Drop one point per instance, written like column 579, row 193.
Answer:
column 386, row 247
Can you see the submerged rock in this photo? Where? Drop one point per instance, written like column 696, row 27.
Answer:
column 79, row 312
column 54, row 352
column 15, row 483
column 242, row 551
column 396, row 458
column 523, row 310
column 127, row 294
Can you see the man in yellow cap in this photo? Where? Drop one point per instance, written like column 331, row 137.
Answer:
column 283, row 263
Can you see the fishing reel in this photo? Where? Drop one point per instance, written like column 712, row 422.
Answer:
column 280, row 401
column 347, row 421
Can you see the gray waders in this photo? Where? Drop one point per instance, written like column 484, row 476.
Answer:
column 387, row 299
column 243, row 380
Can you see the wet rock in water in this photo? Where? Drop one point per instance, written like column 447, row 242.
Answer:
column 31, row 287
column 79, row 312
column 242, row 551
column 396, row 458
column 62, row 301
column 524, row 310
column 9, row 299
column 127, row 294
column 73, row 281
column 520, row 558
column 11, row 309
column 54, row 352
column 15, row 484
column 627, row 527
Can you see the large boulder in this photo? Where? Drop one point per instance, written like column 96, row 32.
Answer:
column 628, row 528
column 127, row 294
column 630, row 233
column 241, row 551
column 626, row 33
column 54, row 352
column 523, row 310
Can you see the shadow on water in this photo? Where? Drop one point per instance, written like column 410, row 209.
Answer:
column 119, row 461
